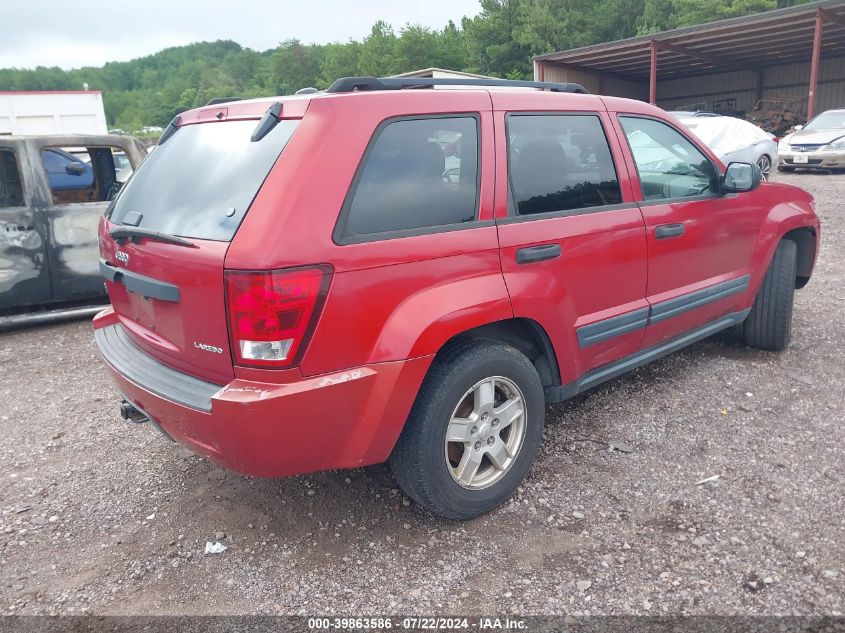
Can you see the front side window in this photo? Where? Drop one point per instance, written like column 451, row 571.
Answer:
column 669, row 165
column 84, row 174
column 419, row 173
column 559, row 163
column 11, row 189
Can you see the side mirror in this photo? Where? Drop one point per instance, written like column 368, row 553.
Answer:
column 797, row 127
column 75, row 169
column 741, row 177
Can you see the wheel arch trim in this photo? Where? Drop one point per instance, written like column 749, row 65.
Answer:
column 526, row 335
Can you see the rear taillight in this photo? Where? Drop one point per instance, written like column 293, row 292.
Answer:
column 272, row 314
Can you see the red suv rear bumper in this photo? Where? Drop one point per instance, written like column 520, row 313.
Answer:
column 341, row 420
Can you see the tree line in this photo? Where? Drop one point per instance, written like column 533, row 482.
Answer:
column 500, row 41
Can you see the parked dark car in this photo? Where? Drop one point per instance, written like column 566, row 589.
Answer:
column 50, row 202
column 372, row 273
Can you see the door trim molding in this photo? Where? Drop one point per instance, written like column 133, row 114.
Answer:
column 692, row 300
column 602, row 374
column 609, row 328
column 605, row 329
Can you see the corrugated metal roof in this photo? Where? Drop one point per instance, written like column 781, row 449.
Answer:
column 750, row 42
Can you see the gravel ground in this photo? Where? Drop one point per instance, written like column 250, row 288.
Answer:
column 103, row 517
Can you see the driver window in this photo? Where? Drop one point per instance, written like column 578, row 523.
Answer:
column 669, row 165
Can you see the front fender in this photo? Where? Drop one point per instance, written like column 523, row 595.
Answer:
column 794, row 210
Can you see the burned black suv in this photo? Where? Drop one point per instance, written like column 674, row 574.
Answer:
column 53, row 191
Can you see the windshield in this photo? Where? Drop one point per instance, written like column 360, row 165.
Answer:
column 202, row 181
column 827, row 121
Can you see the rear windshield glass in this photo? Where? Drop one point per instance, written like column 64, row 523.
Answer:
column 201, row 182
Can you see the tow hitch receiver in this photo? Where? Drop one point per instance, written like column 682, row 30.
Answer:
column 131, row 414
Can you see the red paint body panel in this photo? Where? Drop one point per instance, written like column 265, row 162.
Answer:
column 393, row 303
column 407, row 310
column 715, row 247
column 720, row 234
column 276, row 430
column 600, row 274
column 605, row 275
column 292, row 108
column 297, row 208
column 168, row 330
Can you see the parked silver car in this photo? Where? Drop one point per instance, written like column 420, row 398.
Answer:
column 818, row 145
column 734, row 140
column 691, row 114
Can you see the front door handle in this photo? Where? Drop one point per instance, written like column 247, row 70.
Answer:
column 668, row 230
column 532, row 254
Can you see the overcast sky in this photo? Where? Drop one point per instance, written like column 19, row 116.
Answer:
column 74, row 33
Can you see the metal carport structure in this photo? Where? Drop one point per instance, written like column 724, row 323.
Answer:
column 796, row 52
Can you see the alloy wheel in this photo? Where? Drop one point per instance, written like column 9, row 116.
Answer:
column 765, row 165
column 485, row 433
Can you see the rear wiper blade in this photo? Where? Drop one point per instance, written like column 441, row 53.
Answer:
column 136, row 233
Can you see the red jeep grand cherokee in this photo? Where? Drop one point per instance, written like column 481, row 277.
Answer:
column 377, row 273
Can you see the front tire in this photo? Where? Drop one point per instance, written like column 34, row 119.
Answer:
column 473, row 431
column 769, row 324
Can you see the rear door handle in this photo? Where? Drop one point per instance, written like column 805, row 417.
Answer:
column 532, row 254
column 668, row 230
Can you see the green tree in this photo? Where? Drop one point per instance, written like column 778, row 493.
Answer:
column 452, row 49
column 294, row 65
column 339, row 60
column 689, row 12
column 417, row 47
column 500, row 41
column 379, row 52
column 494, row 42
column 656, row 16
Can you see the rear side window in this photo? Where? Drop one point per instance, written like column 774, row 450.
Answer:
column 417, row 174
column 201, row 182
column 11, row 190
column 560, row 163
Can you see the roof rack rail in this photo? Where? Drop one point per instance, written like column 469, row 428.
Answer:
column 351, row 84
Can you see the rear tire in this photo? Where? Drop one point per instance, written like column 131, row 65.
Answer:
column 769, row 325
column 456, row 425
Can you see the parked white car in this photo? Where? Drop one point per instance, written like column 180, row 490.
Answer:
column 734, row 140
